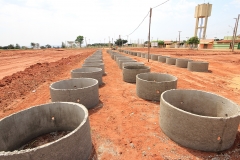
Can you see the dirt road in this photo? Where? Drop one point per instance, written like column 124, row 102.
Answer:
column 124, row 126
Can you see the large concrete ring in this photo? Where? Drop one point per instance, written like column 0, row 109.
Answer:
column 143, row 55
column 134, row 53
column 162, row 59
column 199, row 120
column 88, row 72
column 95, row 65
column 20, row 128
column 120, row 62
column 198, row 66
column 151, row 85
column 78, row 90
column 139, row 54
column 122, row 58
column 171, row 61
column 182, row 63
column 146, row 56
column 130, row 72
column 154, row 57
column 132, row 64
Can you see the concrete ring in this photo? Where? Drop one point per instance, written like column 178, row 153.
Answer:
column 20, row 128
column 78, row 90
column 151, row 85
column 199, row 120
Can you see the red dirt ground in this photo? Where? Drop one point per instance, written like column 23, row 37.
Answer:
column 123, row 126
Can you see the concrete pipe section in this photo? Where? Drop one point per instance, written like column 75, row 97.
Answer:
column 130, row 72
column 122, row 58
column 20, row 128
column 162, row 59
column 198, row 66
column 134, row 53
column 146, row 56
column 121, row 61
column 143, row 55
column 182, row 63
column 95, row 65
column 132, row 64
column 117, row 56
column 171, row 61
column 139, row 54
column 154, row 57
column 199, row 120
column 93, row 61
column 95, row 73
column 151, row 85
column 78, row 90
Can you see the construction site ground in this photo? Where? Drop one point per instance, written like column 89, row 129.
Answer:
column 123, row 126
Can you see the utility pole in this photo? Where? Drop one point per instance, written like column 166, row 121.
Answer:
column 149, row 32
column 86, row 41
column 235, row 32
column 179, row 38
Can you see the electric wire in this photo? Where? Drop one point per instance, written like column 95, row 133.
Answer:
column 146, row 17
column 139, row 24
column 160, row 4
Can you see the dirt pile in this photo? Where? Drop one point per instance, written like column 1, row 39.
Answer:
column 21, row 83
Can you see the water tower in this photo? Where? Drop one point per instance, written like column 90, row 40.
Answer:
column 202, row 11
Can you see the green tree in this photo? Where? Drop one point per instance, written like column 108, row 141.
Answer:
column 193, row 40
column 79, row 39
column 42, row 47
column 63, row 45
column 11, row 46
column 17, row 46
column 33, row 44
column 160, row 42
column 48, row 46
column 120, row 42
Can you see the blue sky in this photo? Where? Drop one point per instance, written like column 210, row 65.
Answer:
column 55, row 21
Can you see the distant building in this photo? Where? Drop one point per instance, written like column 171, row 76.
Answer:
column 226, row 43
column 206, row 43
column 168, row 43
column 154, row 44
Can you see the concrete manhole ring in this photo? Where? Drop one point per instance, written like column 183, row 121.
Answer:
column 162, row 59
column 132, row 64
column 171, row 60
column 151, row 85
column 182, row 63
column 95, row 65
column 154, row 57
column 88, row 72
column 78, row 90
column 199, row 120
column 130, row 72
column 20, row 128
column 198, row 66
column 121, row 61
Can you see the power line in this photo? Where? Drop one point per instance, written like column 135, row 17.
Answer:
column 160, row 4
column 139, row 24
column 146, row 17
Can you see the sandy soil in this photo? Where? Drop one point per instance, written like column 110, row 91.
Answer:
column 124, row 126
